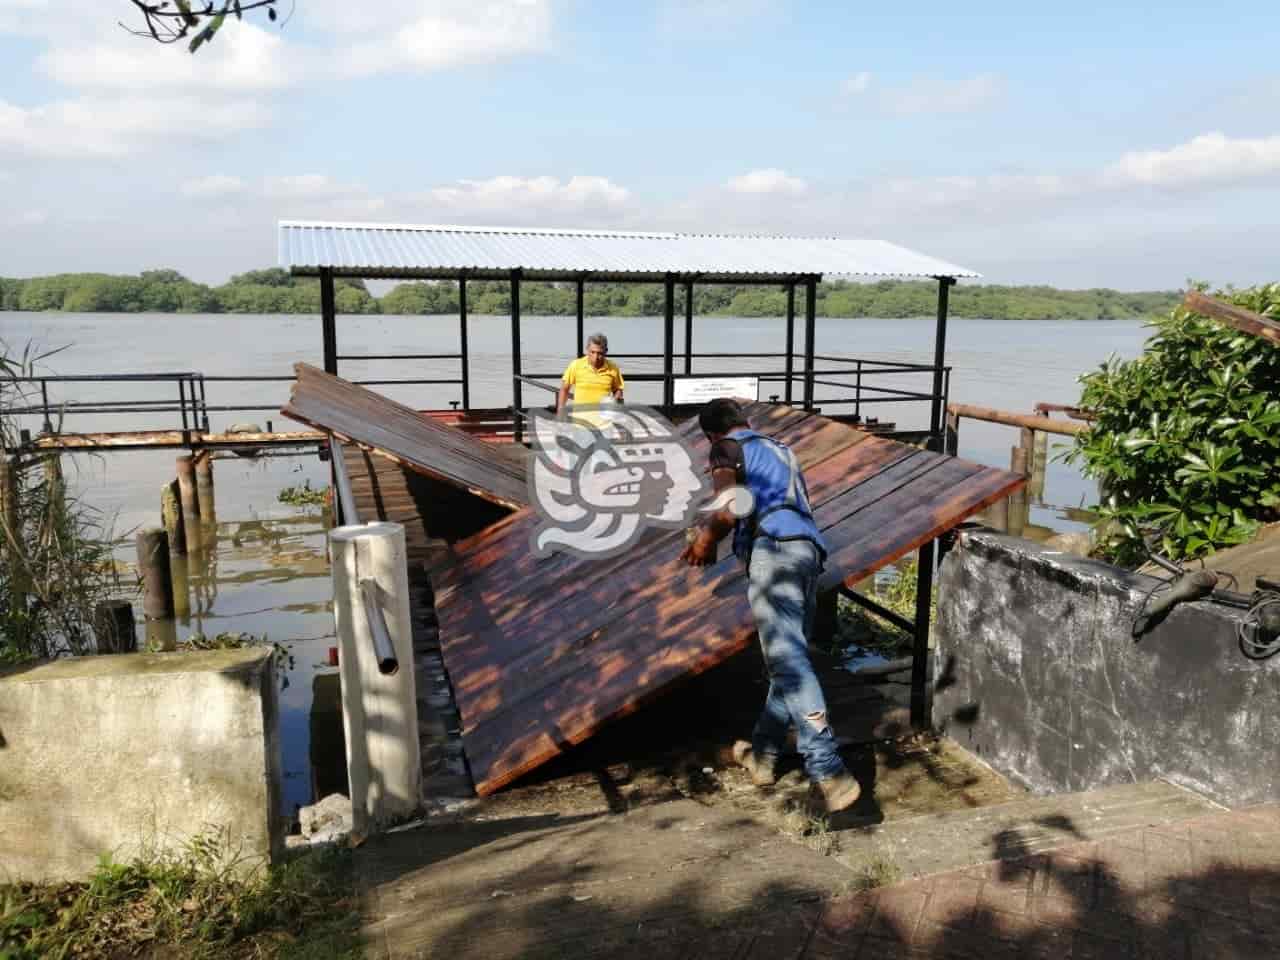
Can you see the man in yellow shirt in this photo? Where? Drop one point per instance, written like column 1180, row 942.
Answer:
column 592, row 378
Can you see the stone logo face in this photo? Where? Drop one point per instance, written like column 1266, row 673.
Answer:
column 602, row 475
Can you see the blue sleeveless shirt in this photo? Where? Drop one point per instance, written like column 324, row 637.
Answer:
column 769, row 469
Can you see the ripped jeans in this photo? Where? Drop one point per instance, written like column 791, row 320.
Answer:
column 782, row 585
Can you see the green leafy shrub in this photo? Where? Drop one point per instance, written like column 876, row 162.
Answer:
column 1186, row 444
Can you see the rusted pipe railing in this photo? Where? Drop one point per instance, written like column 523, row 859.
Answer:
column 1029, row 421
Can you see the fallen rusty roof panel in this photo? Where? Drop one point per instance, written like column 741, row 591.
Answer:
column 360, row 416
column 542, row 652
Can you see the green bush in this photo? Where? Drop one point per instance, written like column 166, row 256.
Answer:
column 1186, row 444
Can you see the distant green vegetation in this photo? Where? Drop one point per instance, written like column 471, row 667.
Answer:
column 275, row 291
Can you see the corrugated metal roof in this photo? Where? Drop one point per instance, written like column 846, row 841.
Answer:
column 400, row 250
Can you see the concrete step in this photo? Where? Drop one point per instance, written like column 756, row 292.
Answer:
column 934, row 843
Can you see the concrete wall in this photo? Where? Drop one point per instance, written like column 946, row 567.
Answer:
column 134, row 754
column 1039, row 643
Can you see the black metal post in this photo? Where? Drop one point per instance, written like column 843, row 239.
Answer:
column 329, row 322
column 688, row 328
column 668, row 342
column 920, row 693
column 517, row 393
column 462, row 333
column 204, row 406
column 810, row 324
column 857, row 394
column 791, row 336
column 182, row 401
column 44, row 399
column 582, row 336
column 940, row 357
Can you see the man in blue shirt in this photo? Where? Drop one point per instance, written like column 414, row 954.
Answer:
column 784, row 552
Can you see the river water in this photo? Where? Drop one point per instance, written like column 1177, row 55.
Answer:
column 263, row 569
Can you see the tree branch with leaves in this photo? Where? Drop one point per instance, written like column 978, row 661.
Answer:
column 171, row 21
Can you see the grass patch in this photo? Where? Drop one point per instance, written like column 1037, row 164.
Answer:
column 858, row 626
column 876, row 871
column 195, row 905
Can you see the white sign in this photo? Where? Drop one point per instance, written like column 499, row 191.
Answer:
column 702, row 389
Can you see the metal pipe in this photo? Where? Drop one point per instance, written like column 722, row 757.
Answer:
column 920, row 718
column 940, row 355
column 370, row 356
column 668, row 341
column 517, row 395
column 810, row 326
column 688, row 327
column 791, row 336
column 857, row 396
column 182, row 400
column 582, row 336
column 342, row 481
column 462, row 333
column 328, row 322
column 383, row 649
column 897, row 619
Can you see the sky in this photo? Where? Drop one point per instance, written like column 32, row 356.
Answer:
column 1086, row 144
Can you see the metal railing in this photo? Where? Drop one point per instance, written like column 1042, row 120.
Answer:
column 848, row 375
column 188, row 396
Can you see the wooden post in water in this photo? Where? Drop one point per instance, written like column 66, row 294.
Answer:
column 204, row 487
column 171, row 517
column 186, row 470
column 153, row 568
column 113, row 627
column 1041, row 450
column 1017, row 519
column 379, row 709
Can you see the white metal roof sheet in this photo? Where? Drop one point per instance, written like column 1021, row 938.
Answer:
column 401, row 250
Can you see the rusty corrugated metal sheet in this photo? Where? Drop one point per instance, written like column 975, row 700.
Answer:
column 355, row 414
column 400, row 250
column 542, row 652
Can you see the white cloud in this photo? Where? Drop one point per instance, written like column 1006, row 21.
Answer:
column 771, row 180
column 520, row 199
column 443, row 34
column 857, row 84
column 1209, row 158
column 214, row 185
column 242, row 58
column 29, row 218
column 90, row 127
column 933, row 95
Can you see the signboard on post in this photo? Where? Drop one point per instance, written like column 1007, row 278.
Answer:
column 702, row 389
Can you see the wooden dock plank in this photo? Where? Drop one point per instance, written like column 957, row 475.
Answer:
column 542, row 652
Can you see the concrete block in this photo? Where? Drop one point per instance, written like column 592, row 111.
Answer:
column 134, row 755
column 1068, row 699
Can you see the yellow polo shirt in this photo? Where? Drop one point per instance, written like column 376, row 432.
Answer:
column 589, row 384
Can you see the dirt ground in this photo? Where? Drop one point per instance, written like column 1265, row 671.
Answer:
column 679, row 747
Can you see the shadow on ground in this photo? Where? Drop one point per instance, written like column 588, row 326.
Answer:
column 668, row 879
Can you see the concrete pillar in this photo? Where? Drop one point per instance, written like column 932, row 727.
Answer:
column 186, row 470
column 380, row 711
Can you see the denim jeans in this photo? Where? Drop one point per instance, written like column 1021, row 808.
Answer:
column 782, row 585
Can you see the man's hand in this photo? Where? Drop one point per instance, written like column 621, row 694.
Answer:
column 701, row 551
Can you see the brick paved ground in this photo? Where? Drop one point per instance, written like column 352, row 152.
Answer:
column 687, row 884
column 1202, row 888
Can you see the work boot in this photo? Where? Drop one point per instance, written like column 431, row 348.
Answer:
column 836, row 793
column 763, row 770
